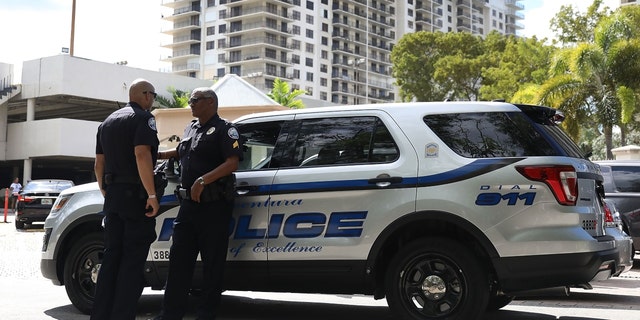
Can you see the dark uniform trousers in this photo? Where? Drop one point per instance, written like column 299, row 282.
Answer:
column 199, row 228
column 128, row 236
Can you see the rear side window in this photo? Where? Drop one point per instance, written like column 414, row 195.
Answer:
column 334, row 141
column 489, row 134
column 626, row 178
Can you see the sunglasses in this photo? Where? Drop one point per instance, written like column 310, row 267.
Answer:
column 151, row 92
column 195, row 100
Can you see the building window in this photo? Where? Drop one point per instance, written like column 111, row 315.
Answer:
column 210, row 45
column 296, row 15
column 296, row 30
column 222, row 43
column 325, row 27
column 309, row 76
column 211, row 31
column 220, row 73
column 323, row 96
column 308, row 62
column 309, row 19
column 324, row 54
column 295, row 44
column 309, row 33
column 324, row 41
column 222, row 28
column 295, row 59
column 410, row 12
column 323, row 82
column 296, row 74
column 309, row 47
column 211, row 3
column 324, row 1
column 309, row 91
column 221, row 58
column 309, row 5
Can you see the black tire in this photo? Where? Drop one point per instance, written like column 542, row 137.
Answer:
column 81, row 270
column 458, row 284
column 19, row 225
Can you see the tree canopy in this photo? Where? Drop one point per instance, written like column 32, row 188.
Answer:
column 461, row 66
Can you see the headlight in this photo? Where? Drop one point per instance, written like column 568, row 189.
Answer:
column 61, row 201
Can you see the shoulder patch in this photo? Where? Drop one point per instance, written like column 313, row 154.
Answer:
column 233, row 133
column 152, row 123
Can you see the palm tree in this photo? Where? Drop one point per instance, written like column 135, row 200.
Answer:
column 596, row 81
column 282, row 94
column 179, row 99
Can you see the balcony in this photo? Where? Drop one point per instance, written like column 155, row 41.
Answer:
column 514, row 4
column 182, row 26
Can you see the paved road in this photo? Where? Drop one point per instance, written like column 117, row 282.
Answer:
column 26, row 295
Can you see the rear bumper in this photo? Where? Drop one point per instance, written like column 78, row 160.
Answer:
column 546, row 271
column 32, row 215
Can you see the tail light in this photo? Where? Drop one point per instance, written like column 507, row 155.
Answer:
column 26, row 199
column 562, row 180
column 608, row 216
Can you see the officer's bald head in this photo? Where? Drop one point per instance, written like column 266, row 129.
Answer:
column 142, row 92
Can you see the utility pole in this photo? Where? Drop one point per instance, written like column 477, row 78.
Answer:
column 73, row 26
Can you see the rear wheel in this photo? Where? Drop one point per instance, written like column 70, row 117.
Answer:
column 436, row 278
column 19, row 225
column 81, row 270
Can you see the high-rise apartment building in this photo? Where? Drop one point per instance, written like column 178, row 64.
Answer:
column 336, row 50
column 628, row 2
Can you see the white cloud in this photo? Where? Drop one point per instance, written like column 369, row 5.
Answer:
column 537, row 20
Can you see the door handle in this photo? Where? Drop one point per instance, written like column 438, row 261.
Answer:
column 384, row 180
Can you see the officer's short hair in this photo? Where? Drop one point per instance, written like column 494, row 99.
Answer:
column 207, row 92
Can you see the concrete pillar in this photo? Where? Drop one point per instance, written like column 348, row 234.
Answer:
column 26, row 176
column 31, row 109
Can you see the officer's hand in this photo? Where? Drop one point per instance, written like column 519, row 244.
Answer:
column 196, row 192
column 152, row 207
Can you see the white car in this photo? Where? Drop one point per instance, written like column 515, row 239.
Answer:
column 444, row 208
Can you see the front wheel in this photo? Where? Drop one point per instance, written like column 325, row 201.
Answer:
column 436, row 278
column 81, row 270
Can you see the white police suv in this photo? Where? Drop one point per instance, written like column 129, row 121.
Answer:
column 446, row 209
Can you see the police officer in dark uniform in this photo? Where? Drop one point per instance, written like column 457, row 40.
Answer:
column 209, row 153
column 126, row 152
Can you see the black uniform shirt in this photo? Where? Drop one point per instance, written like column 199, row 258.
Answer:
column 120, row 133
column 206, row 146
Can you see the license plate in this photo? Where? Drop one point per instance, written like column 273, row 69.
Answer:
column 46, row 201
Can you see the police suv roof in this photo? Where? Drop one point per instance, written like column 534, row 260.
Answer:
column 399, row 108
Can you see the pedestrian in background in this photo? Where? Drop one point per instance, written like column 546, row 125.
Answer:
column 209, row 153
column 15, row 189
column 126, row 153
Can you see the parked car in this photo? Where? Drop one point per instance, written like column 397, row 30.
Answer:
column 613, row 227
column 36, row 199
column 444, row 208
column 622, row 185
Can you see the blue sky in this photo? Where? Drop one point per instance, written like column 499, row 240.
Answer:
column 130, row 30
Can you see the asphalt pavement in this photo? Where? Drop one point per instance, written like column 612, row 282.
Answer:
column 26, row 295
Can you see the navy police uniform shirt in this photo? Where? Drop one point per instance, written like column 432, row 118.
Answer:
column 120, row 133
column 206, row 146
column 116, row 139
